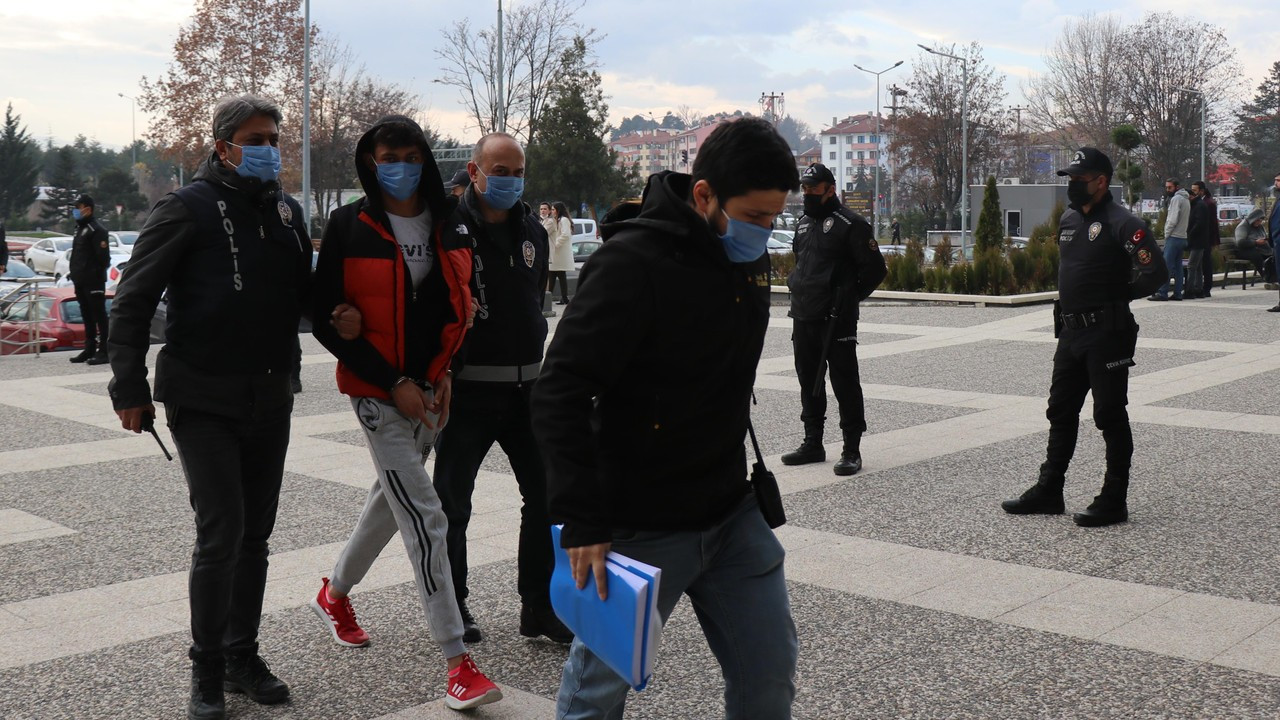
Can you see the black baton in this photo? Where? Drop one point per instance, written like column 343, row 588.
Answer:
column 149, row 424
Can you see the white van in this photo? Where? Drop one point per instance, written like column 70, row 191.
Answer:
column 585, row 229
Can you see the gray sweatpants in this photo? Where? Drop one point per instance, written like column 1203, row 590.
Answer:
column 403, row 498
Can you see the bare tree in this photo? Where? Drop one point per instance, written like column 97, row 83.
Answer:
column 345, row 102
column 535, row 37
column 228, row 47
column 1081, row 96
column 929, row 130
column 1179, row 53
column 691, row 117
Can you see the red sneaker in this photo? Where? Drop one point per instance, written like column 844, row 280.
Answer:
column 339, row 618
column 468, row 687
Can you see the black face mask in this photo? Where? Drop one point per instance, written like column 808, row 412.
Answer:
column 816, row 206
column 1078, row 192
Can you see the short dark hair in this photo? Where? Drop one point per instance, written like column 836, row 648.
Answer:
column 1173, row 181
column 85, row 201
column 397, row 134
column 1203, row 188
column 745, row 155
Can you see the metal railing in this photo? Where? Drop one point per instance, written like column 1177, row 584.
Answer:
column 25, row 296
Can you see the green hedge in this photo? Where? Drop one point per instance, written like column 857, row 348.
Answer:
column 992, row 272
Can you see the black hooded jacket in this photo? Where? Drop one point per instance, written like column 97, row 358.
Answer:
column 232, row 257
column 405, row 331
column 642, row 406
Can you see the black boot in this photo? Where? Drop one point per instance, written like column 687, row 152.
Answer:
column 541, row 620
column 83, row 356
column 206, row 701
column 1043, row 498
column 470, row 630
column 248, row 673
column 850, row 460
column 99, row 358
column 810, row 451
column 1109, row 507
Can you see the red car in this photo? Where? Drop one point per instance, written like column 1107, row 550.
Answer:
column 54, row 319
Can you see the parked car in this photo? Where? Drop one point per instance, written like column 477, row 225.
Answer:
column 13, row 277
column 122, row 240
column 44, row 254
column 63, row 266
column 585, row 229
column 777, row 247
column 54, row 317
column 582, row 250
column 784, row 236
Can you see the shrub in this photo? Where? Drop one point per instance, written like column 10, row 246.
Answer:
column 781, row 266
column 1048, row 230
column 915, row 252
column 910, row 277
column 961, row 278
column 988, row 233
column 1024, row 268
column 935, row 279
column 942, row 251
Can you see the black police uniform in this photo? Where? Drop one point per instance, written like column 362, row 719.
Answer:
column 233, row 258
column 1108, row 258
column 838, row 264
column 90, row 258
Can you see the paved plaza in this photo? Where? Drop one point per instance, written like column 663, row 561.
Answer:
column 913, row 594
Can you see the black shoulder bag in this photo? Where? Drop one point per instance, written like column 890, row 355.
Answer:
column 765, row 485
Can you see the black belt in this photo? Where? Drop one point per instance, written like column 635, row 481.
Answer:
column 1082, row 320
column 501, row 373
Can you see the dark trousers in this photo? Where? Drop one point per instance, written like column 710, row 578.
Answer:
column 480, row 414
column 560, row 275
column 234, row 467
column 1207, row 269
column 1095, row 359
column 842, row 360
column 93, row 306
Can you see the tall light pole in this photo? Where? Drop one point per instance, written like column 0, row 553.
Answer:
column 875, row 202
column 964, row 142
column 894, row 92
column 133, row 128
column 502, row 108
column 306, row 114
column 1202, row 104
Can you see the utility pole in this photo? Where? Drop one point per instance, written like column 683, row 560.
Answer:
column 1192, row 91
column 1022, row 161
column 964, row 142
column 772, row 106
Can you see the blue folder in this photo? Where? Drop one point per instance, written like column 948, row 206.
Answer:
column 625, row 630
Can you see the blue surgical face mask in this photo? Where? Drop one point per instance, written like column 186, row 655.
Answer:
column 400, row 179
column 258, row 161
column 502, row 192
column 75, row 213
column 744, row 241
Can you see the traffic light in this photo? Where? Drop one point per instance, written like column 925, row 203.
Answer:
column 684, row 157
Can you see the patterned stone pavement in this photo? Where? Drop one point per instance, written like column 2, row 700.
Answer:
column 915, row 597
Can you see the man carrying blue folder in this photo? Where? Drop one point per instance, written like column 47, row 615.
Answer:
column 655, row 360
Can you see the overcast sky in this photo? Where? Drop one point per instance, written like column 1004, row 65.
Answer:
column 62, row 62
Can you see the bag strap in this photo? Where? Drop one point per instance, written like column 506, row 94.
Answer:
column 752, row 432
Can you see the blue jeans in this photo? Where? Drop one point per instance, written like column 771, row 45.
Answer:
column 1173, row 248
column 732, row 574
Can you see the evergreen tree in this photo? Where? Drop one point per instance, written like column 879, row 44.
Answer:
column 64, row 187
column 115, row 187
column 18, row 167
column 1257, row 137
column 989, row 233
column 569, row 161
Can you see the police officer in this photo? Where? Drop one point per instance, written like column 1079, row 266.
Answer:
column 838, row 264
column 90, row 258
column 1108, row 258
column 233, row 254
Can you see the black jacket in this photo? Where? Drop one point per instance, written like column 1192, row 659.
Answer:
column 1203, row 226
column 642, row 406
column 508, row 281
column 836, row 258
column 361, row 263
column 1108, row 257
column 90, row 256
column 233, row 260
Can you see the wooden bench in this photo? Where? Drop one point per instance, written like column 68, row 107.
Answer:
column 1231, row 263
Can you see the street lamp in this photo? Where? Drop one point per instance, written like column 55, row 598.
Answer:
column 1202, row 104
column 964, row 142
column 133, row 127
column 875, row 204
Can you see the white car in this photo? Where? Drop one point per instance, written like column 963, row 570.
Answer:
column 63, row 267
column 777, row 247
column 122, row 240
column 44, row 254
column 784, row 236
